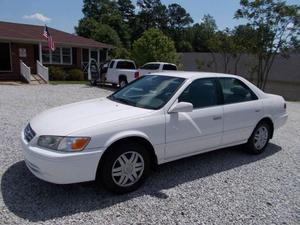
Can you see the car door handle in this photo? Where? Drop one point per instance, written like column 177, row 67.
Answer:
column 257, row 110
column 217, row 117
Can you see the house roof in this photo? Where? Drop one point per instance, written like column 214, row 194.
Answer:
column 34, row 33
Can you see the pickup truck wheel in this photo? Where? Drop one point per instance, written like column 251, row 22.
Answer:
column 125, row 167
column 259, row 138
column 123, row 82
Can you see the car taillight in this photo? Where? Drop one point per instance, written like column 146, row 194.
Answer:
column 136, row 75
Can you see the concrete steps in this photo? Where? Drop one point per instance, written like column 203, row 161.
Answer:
column 36, row 79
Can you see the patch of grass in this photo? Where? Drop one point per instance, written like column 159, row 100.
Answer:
column 56, row 82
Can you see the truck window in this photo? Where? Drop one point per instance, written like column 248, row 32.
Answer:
column 169, row 67
column 112, row 64
column 150, row 66
column 125, row 65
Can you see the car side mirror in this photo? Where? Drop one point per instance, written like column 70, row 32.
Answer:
column 181, row 107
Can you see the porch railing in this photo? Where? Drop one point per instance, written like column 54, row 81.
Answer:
column 25, row 71
column 42, row 71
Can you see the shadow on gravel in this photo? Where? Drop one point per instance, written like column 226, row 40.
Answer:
column 36, row 200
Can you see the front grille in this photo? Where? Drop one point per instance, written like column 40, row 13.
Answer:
column 29, row 133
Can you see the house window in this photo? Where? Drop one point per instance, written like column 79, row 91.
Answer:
column 61, row 55
column 66, row 55
column 56, row 56
column 45, row 55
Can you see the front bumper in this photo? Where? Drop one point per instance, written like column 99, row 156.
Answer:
column 61, row 167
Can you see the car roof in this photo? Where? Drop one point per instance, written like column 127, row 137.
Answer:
column 159, row 63
column 127, row 60
column 192, row 74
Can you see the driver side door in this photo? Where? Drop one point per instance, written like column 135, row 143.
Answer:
column 189, row 133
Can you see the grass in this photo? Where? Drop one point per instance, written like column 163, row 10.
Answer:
column 56, row 82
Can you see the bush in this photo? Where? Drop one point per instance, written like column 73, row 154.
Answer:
column 75, row 74
column 56, row 73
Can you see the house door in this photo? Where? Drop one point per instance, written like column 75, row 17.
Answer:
column 5, row 59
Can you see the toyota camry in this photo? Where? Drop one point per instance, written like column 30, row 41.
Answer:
column 155, row 119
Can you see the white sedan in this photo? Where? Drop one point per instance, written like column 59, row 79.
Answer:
column 155, row 119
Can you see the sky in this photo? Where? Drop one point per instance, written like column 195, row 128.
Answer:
column 64, row 14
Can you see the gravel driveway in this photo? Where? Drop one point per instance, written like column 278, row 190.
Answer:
column 222, row 187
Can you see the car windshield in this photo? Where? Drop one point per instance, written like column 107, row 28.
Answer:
column 150, row 92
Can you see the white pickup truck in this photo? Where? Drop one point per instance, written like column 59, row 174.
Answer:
column 121, row 71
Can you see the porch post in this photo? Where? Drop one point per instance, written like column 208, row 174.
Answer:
column 89, row 55
column 40, row 52
column 98, row 57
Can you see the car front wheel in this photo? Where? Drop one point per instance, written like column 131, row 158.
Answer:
column 259, row 138
column 125, row 167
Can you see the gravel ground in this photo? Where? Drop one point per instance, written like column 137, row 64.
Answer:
column 221, row 187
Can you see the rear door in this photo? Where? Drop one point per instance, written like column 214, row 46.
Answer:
column 242, row 110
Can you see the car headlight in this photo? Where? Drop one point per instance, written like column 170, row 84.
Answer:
column 69, row 144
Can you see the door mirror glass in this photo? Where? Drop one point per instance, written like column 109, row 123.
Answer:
column 181, row 107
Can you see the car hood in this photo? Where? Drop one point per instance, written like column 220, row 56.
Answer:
column 74, row 117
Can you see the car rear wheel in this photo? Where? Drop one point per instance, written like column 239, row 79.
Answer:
column 123, row 82
column 125, row 167
column 259, row 138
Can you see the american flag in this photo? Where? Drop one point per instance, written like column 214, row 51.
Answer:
column 47, row 35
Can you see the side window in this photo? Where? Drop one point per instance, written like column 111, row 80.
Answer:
column 169, row 67
column 201, row 93
column 235, row 91
column 150, row 67
column 112, row 64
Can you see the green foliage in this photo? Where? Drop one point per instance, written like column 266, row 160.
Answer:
column 184, row 46
column 277, row 25
column 106, row 34
column 75, row 75
column 202, row 33
column 120, row 53
column 154, row 46
column 57, row 73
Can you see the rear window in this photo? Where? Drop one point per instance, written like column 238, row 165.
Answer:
column 150, row 66
column 125, row 65
column 169, row 67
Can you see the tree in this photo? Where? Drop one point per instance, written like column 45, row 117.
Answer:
column 154, row 46
column 90, row 28
column 179, row 19
column 202, row 33
column 126, row 9
column 243, row 40
column 222, row 42
column 104, row 12
column 152, row 14
column 277, row 25
column 106, row 34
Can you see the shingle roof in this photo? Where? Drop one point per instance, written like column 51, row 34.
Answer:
column 34, row 33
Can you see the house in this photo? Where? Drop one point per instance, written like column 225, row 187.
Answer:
column 24, row 51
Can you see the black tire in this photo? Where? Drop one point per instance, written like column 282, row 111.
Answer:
column 93, row 82
column 105, row 170
column 252, row 144
column 122, row 82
